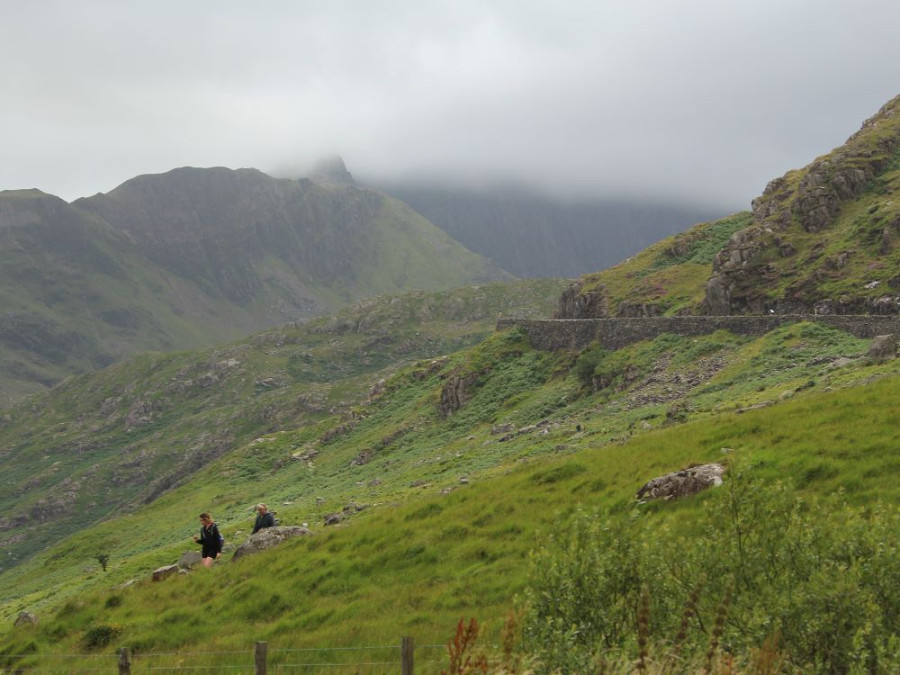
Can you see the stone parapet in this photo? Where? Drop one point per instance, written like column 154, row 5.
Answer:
column 553, row 334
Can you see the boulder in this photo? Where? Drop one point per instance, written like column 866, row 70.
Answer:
column 883, row 348
column 190, row 558
column 164, row 572
column 268, row 538
column 682, row 483
column 26, row 619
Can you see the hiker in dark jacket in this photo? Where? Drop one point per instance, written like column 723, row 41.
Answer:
column 264, row 519
column 209, row 539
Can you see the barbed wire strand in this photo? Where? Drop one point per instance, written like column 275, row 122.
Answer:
column 331, row 649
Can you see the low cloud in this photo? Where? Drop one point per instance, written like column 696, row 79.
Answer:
column 698, row 101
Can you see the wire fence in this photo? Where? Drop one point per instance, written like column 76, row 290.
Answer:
column 405, row 658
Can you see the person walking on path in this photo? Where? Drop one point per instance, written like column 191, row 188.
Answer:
column 264, row 519
column 209, row 539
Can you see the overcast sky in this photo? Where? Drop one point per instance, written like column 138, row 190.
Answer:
column 702, row 101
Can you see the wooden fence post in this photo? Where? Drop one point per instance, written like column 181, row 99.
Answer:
column 124, row 661
column 262, row 650
column 407, row 655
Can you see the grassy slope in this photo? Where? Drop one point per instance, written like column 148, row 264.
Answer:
column 104, row 443
column 670, row 273
column 416, row 561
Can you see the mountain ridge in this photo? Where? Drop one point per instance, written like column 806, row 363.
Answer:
column 197, row 256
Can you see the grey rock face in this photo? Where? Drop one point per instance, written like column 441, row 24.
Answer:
column 883, row 348
column 269, row 538
column 682, row 483
column 164, row 572
column 26, row 619
column 189, row 558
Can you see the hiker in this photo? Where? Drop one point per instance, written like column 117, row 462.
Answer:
column 264, row 519
column 209, row 539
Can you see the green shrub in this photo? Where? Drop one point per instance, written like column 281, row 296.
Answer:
column 100, row 636
column 760, row 562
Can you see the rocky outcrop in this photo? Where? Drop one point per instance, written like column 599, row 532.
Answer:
column 26, row 619
column 164, row 572
column 347, row 511
column 827, row 184
column 454, row 393
column 883, row 348
column 189, row 559
column 682, row 483
column 331, row 170
column 269, row 538
column 745, row 270
column 573, row 304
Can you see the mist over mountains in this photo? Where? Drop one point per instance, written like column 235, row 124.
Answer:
column 531, row 235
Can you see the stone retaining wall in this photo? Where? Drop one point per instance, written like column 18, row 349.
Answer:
column 551, row 334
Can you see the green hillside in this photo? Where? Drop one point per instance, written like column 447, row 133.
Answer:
column 103, row 443
column 75, row 296
column 456, row 501
column 197, row 257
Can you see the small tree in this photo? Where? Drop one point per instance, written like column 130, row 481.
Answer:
column 103, row 559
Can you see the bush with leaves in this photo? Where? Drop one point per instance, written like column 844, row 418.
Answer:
column 759, row 565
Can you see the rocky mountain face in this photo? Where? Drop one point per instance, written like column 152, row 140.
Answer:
column 195, row 257
column 834, row 220
column 822, row 239
column 534, row 236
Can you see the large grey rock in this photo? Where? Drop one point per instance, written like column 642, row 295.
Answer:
column 190, row 558
column 26, row 619
column 682, row 483
column 883, row 348
column 268, row 538
column 164, row 572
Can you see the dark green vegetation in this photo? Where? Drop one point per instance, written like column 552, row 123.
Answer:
column 104, row 443
column 195, row 257
column 531, row 235
column 535, row 447
column 759, row 564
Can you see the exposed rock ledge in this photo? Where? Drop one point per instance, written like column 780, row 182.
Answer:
column 682, row 483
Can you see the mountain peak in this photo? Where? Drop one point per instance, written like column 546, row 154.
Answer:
column 331, row 170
